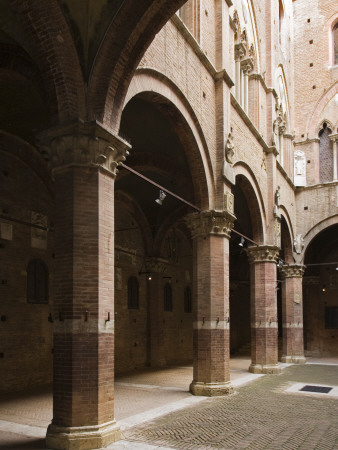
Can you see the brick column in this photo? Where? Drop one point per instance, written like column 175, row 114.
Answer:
column 264, row 323
column 210, row 232
column 84, row 157
column 292, row 307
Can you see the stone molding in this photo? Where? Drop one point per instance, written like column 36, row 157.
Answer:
column 292, row 271
column 85, row 144
column 263, row 253
column 219, row 223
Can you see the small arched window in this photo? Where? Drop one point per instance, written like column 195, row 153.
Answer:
column 335, row 43
column 167, row 298
column 187, row 300
column 133, row 293
column 37, row 282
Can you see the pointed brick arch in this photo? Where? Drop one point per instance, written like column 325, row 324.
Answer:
column 157, row 89
column 54, row 52
column 119, row 54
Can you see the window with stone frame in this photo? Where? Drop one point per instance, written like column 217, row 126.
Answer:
column 133, row 293
column 167, row 298
column 37, row 282
column 190, row 15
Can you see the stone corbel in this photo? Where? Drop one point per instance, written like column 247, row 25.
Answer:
column 247, row 65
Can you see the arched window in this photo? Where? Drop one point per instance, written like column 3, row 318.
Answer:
column 335, row 43
column 133, row 293
column 167, row 298
column 37, row 282
column 187, row 300
column 325, row 155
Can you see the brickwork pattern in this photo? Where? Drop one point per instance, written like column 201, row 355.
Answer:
column 249, row 419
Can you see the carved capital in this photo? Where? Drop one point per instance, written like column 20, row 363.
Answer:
column 292, row 271
column 240, row 51
column 247, row 65
column 210, row 222
column 263, row 253
column 85, row 144
column 334, row 137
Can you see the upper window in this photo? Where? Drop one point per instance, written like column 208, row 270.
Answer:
column 37, row 282
column 335, row 43
column 167, row 298
column 187, row 300
column 133, row 293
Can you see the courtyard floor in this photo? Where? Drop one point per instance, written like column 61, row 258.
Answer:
column 155, row 410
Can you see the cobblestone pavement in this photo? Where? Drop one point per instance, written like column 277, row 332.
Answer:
column 260, row 415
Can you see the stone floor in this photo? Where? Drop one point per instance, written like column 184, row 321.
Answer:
column 155, row 411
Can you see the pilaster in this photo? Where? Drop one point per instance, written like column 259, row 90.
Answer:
column 264, row 321
column 292, row 310
column 210, row 231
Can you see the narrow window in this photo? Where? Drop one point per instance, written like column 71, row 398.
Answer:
column 167, row 298
column 325, row 155
column 335, row 43
column 187, row 300
column 133, row 293
column 37, row 282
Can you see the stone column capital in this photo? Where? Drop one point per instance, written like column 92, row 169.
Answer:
column 83, row 144
column 211, row 222
column 263, row 253
column 292, row 271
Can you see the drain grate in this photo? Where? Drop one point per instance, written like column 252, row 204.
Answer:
column 319, row 389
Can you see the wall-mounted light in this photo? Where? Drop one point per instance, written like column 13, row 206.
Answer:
column 324, row 288
column 161, row 197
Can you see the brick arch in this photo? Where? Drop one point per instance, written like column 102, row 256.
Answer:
column 314, row 231
column 55, row 54
column 157, row 87
column 312, row 124
column 253, row 195
column 120, row 52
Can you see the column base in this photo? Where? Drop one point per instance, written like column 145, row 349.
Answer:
column 265, row 368
column 211, row 389
column 82, row 438
column 293, row 359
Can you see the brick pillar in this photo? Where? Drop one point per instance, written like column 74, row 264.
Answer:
column 155, row 267
column 292, row 307
column 210, row 232
column 264, row 322
column 84, row 157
